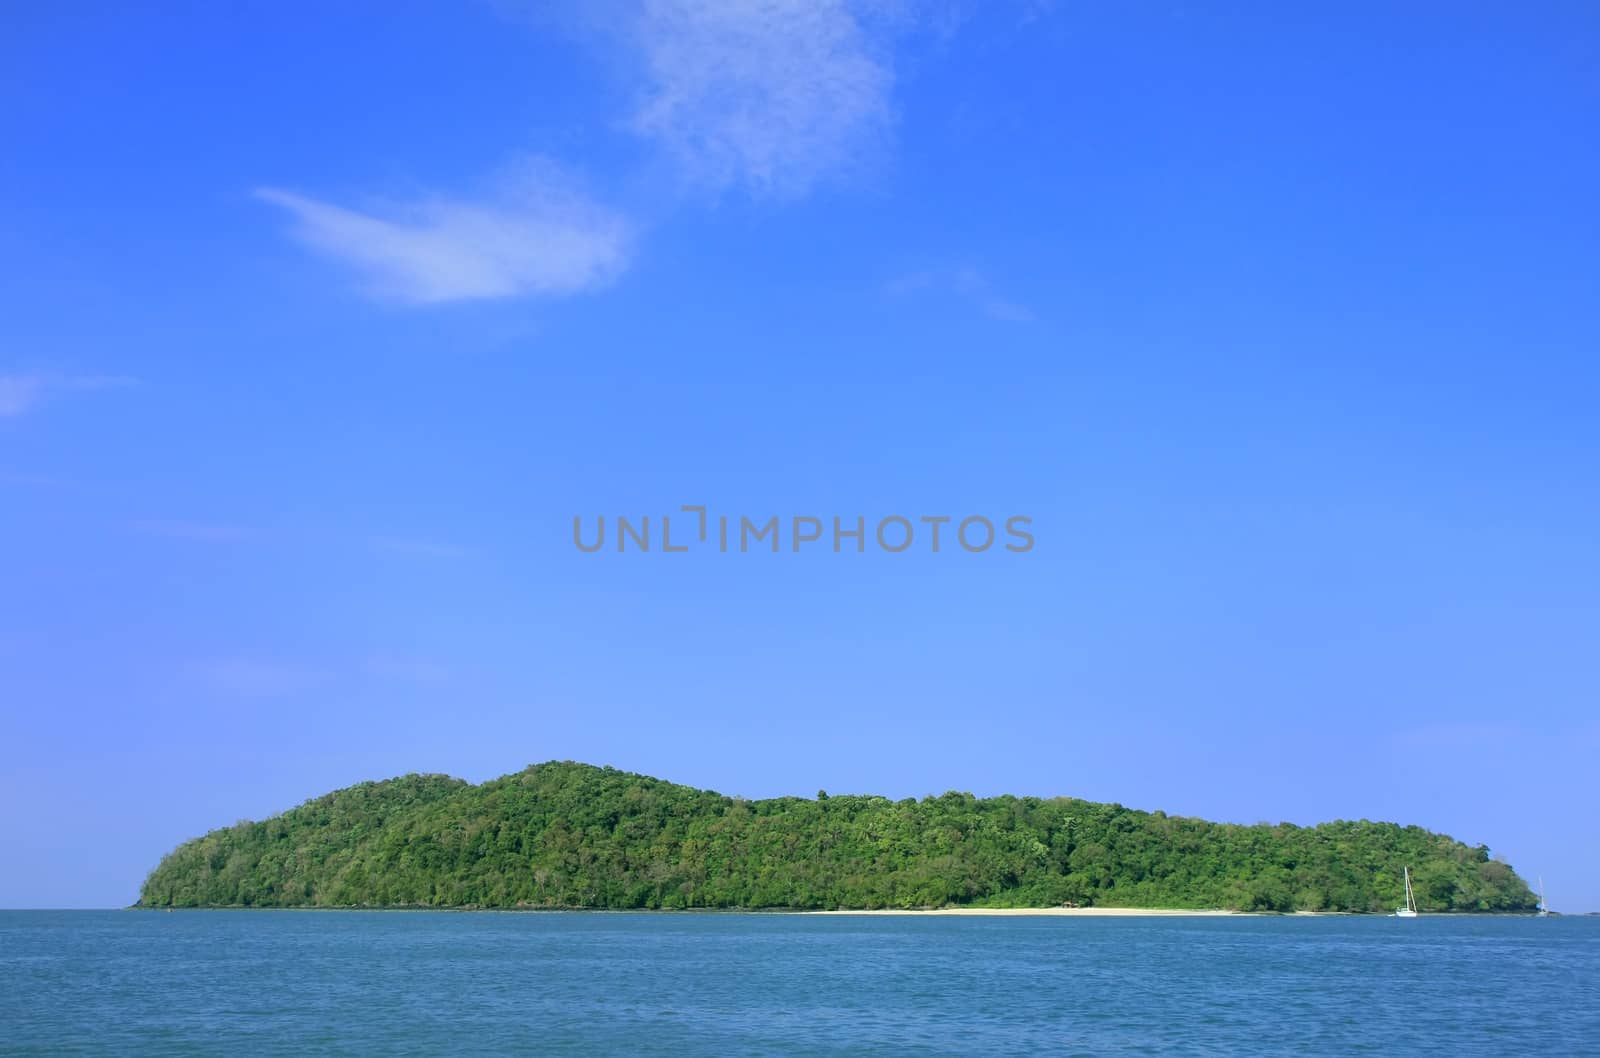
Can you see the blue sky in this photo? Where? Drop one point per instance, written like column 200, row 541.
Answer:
column 317, row 333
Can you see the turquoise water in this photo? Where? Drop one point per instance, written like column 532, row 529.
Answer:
column 360, row 983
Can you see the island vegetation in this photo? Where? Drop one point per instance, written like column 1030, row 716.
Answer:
column 566, row 835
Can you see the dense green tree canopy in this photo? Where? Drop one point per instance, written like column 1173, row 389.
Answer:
column 572, row 835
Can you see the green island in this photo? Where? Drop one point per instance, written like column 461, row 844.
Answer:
column 566, row 835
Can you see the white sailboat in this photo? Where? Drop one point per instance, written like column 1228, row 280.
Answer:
column 1544, row 909
column 1410, row 910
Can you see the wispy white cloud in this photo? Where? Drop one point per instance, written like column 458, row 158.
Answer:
column 537, row 235
column 773, row 95
column 967, row 284
column 20, row 393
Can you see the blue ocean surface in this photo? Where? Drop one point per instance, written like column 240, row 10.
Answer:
column 536, row 983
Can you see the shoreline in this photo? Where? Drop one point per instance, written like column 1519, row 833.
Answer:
column 1064, row 912
column 958, row 911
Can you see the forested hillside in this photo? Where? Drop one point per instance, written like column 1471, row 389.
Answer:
column 572, row 835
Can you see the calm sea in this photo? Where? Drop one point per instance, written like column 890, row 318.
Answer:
column 376, row 983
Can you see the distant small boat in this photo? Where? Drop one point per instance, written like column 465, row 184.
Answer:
column 1410, row 910
column 1544, row 909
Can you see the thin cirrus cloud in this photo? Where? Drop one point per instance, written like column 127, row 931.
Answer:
column 770, row 95
column 19, row 393
column 23, row 392
column 966, row 284
column 538, row 236
column 767, row 96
